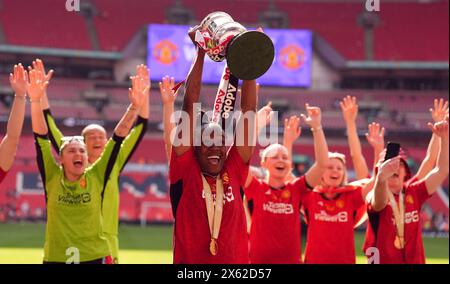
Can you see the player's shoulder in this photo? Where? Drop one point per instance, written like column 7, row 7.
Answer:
column 415, row 185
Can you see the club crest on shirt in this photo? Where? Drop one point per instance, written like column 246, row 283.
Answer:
column 409, row 199
column 286, row 194
column 83, row 182
column 340, row 203
column 225, row 178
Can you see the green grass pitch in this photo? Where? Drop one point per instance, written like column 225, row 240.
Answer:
column 23, row 243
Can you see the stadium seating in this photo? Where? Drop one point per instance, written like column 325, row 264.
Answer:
column 43, row 23
column 406, row 30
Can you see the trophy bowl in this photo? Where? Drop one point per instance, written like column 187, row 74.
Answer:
column 249, row 54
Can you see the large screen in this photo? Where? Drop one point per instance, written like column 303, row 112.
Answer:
column 170, row 52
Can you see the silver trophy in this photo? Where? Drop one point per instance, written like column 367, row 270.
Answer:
column 249, row 54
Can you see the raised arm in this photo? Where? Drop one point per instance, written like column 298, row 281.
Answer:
column 143, row 73
column 36, row 89
column 168, row 96
column 375, row 137
column 8, row 146
column 245, row 137
column 349, row 108
column 54, row 133
column 438, row 113
column 264, row 115
column 192, row 95
column 380, row 193
column 137, row 95
column 292, row 131
column 314, row 174
column 435, row 178
column 38, row 65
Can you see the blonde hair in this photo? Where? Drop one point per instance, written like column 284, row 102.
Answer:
column 91, row 127
column 71, row 141
column 340, row 157
column 270, row 150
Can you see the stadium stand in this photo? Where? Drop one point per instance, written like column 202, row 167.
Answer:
column 407, row 31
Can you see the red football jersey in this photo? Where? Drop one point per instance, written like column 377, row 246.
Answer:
column 275, row 232
column 191, row 237
column 381, row 230
column 2, row 174
column 330, row 237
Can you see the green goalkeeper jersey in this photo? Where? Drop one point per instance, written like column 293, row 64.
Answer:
column 74, row 221
column 110, row 206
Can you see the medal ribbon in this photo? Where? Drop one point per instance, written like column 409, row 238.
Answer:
column 399, row 216
column 214, row 209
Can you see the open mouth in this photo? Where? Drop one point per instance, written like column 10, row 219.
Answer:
column 334, row 178
column 97, row 147
column 214, row 160
column 78, row 163
column 280, row 168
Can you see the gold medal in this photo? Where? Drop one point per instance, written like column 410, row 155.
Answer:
column 214, row 212
column 213, row 246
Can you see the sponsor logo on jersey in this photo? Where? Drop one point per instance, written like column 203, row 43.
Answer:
column 410, row 217
column 228, row 195
column 74, row 199
column 278, row 208
column 341, row 217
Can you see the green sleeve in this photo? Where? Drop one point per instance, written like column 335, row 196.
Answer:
column 46, row 162
column 103, row 166
column 131, row 142
column 54, row 133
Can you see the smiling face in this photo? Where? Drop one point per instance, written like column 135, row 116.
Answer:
column 74, row 159
column 334, row 174
column 276, row 160
column 95, row 139
column 212, row 153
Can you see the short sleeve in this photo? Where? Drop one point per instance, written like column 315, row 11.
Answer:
column 235, row 162
column 301, row 185
column 179, row 164
column 357, row 198
column 251, row 189
column 419, row 189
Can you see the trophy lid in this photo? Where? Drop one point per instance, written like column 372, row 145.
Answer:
column 250, row 55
